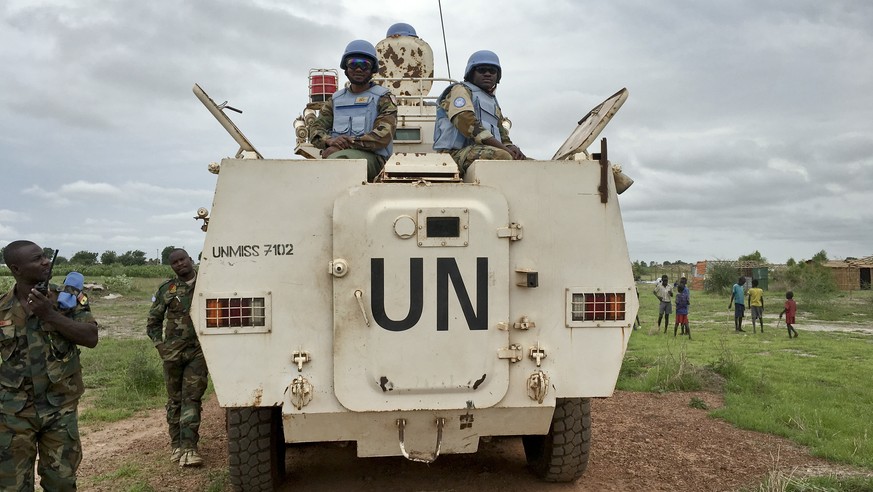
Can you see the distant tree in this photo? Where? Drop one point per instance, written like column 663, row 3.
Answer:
column 756, row 257
column 165, row 255
column 108, row 257
column 1, row 255
column 666, row 263
column 820, row 257
column 791, row 262
column 84, row 258
column 639, row 269
column 129, row 258
column 50, row 253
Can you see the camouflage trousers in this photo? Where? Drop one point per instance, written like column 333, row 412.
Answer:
column 186, row 379
column 375, row 163
column 55, row 437
column 466, row 155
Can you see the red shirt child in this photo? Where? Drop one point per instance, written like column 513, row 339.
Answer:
column 790, row 313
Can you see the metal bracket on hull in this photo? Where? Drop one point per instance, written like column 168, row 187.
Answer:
column 417, row 456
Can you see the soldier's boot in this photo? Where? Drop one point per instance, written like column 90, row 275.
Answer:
column 176, row 455
column 190, row 457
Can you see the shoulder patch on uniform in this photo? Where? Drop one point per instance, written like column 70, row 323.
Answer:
column 6, row 322
column 392, row 98
column 459, row 102
column 172, row 289
column 83, row 299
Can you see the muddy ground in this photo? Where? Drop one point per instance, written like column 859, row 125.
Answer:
column 641, row 441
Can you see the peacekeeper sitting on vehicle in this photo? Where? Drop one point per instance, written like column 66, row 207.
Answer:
column 468, row 124
column 360, row 120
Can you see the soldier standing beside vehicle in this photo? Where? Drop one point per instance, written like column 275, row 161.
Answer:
column 40, row 375
column 664, row 293
column 185, row 372
column 469, row 122
column 359, row 121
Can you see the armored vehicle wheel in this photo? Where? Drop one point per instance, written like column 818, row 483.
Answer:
column 562, row 454
column 255, row 448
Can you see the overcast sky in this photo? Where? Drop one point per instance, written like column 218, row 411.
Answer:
column 749, row 124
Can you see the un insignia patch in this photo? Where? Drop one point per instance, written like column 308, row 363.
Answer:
column 459, row 102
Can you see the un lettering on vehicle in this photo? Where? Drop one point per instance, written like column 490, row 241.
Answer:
column 447, row 273
column 253, row 250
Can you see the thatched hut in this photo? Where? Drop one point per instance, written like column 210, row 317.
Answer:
column 851, row 273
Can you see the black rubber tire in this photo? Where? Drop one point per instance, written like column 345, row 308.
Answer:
column 562, row 454
column 255, row 448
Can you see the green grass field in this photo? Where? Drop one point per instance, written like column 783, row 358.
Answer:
column 814, row 389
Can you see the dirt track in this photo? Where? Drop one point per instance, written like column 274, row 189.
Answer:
column 641, row 441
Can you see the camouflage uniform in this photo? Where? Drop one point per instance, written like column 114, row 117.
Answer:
column 184, row 365
column 40, row 386
column 364, row 146
column 464, row 119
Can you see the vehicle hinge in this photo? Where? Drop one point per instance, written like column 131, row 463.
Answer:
column 300, row 357
column 524, row 324
column 512, row 231
column 514, row 353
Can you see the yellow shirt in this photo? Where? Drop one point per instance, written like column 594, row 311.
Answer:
column 756, row 296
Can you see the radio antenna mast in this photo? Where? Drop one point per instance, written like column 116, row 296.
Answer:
column 445, row 46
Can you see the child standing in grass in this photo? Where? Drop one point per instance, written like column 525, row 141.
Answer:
column 682, row 303
column 756, row 304
column 790, row 312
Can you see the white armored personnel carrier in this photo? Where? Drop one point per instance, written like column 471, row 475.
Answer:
column 420, row 313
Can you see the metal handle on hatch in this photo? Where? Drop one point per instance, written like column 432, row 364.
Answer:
column 359, row 295
column 417, row 456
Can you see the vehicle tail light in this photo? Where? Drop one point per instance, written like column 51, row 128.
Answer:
column 235, row 311
column 598, row 306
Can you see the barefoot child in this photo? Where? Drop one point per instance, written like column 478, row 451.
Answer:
column 756, row 304
column 790, row 311
column 682, row 303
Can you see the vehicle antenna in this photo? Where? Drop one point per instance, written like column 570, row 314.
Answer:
column 445, row 47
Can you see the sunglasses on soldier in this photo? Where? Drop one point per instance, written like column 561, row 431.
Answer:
column 483, row 69
column 362, row 63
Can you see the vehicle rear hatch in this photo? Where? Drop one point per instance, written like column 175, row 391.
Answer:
column 420, row 288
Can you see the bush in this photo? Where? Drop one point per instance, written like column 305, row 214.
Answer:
column 726, row 365
column 118, row 283
column 138, row 271
column 6, row 284
column 805, row 277
column 143, row 376
column 720, row 277
column 698, row 403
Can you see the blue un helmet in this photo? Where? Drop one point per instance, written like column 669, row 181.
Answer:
column 482, row 57
column 401, row 29
column 362, row 48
